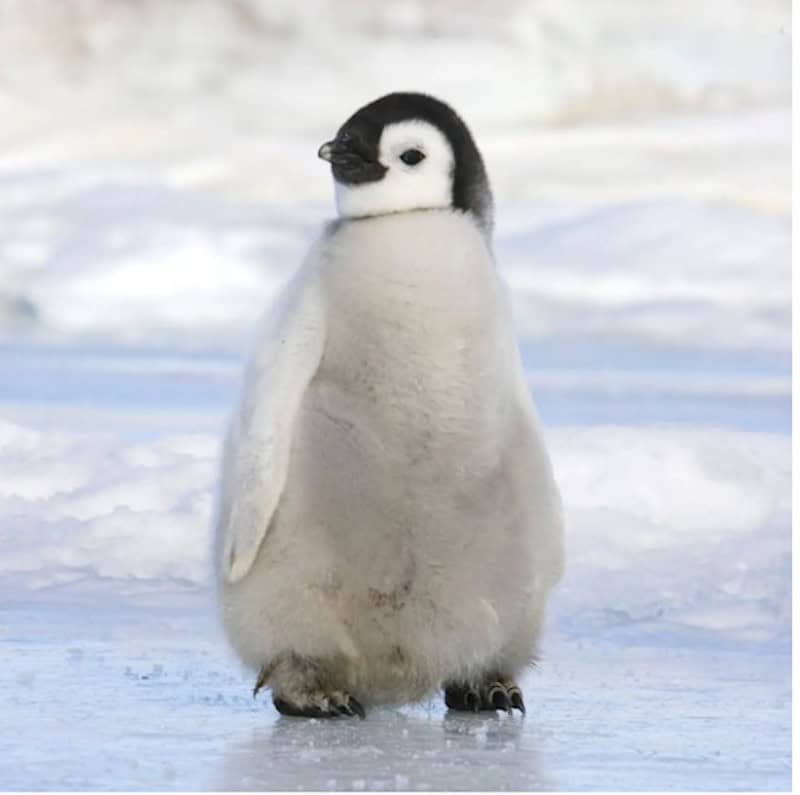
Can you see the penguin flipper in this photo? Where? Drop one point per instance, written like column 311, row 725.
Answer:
column 256, row 455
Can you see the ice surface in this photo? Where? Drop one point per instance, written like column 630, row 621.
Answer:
column 158, row 184
column 147, row 698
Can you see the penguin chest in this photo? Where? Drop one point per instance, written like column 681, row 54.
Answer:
column 416, row 350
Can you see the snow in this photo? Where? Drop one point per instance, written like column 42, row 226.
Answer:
column 137, row 265
column 639, row 503
column 157, row 186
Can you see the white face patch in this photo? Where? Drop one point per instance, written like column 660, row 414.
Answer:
column 424, row 186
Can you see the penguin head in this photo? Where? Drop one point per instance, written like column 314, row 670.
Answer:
column 406, row 152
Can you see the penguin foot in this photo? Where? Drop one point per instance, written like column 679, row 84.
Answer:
column 320, row 704
column 493, row 694
column 303, row 687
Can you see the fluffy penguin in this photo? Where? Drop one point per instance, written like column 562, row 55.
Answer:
column 387, row 521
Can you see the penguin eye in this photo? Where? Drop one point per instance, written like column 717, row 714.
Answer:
column 412, row 156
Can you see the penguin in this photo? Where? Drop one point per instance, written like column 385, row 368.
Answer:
column 388, row 524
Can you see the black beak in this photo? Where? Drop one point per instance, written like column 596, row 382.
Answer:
column 350, row 160
column 327, row 151
column 339, row 153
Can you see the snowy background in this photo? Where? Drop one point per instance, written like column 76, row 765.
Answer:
column 158, row 183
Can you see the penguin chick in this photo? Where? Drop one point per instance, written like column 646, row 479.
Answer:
column 387, row 520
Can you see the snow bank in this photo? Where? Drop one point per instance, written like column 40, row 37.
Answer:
column 685, row 527
column 663, row 272
column 76, row 506
column 135, row 263
column 138, row 264
column 689, row 529
column 556, row 61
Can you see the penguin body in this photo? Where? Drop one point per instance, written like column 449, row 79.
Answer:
column 388, row 522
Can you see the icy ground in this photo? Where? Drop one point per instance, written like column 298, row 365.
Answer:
column 136, row 692
column 157, row 185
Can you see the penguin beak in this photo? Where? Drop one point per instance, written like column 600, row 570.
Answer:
column 337, row 151
column 326, row 151
column 350, row 160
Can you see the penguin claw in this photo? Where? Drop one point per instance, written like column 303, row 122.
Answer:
column 294, row 711
column 263, row 677
column 351, row 707
column 462, row 697
column 356, row 708
column 499, row 698
column 516, row 700
column 491, row 696
column 321, row 705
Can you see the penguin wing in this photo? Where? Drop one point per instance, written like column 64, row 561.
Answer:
column 256, row 456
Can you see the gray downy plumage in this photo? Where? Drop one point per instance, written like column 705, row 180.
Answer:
column 387, row 520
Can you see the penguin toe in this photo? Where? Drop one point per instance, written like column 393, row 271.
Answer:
column 492, row 695
column 353, row 707
column 321, row 704
column 498, row 697
column 463, row 698
column 309, row 710
column 515, row 697
column 347, row 705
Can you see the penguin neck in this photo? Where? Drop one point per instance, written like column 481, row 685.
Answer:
column 420, row 216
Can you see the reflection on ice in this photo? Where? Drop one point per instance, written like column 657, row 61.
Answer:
column 391, row 749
